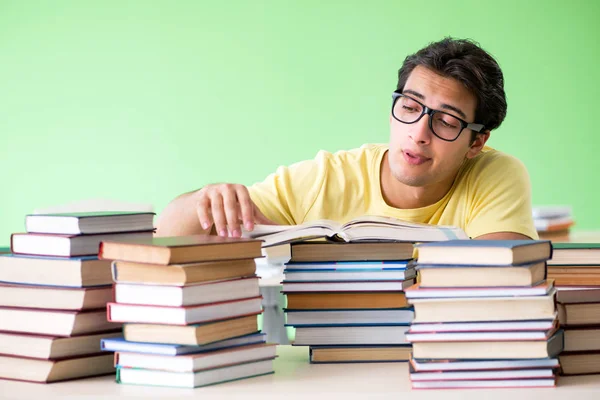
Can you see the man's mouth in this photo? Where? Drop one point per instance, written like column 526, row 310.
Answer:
column 414, row 158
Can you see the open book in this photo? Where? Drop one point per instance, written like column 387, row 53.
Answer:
column 366, row 228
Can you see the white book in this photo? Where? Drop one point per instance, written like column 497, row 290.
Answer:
column 349, row 275
column 485, row 326
column 360, row 286
column 348, row 266
column 202, row 293
column 459, row 365
column 349, row 317
column 478, row 336
column 351, row 335
column 419, row 292
column 482, row 375
column 497, row 383
column 89, row 222
column 193, row 379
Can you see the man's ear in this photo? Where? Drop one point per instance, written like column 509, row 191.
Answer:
column 478, row 144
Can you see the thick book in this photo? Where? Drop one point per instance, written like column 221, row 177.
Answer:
column 122, row 345
column 199, row 334
column 452, row 376
column 194, row 379
column 47, row 371
column 418, row 292
column 508, row 326
column 89, row 222
column 52, row 347
column 415, row 337
column 485, row 384
column 351, row 266
column 472, row 309
column 575, row 254
column 343, row 251
column 367, row 228
column 432, row 365
column 349, row 300
column 348, row 317
column 177, row 296
column 44, row 244
column 579, row 314
column 356, row 286
column 484, row 252
column 493, row 350
column 55, row 271
column 358, row 354
column 54, row 322
column 181, row 274
column 60, row 298
column 455, row 276
column 348, row 275
column 195, row 314
column 582, row 339
column 180, row 249
column 581, row 363
column 198, row 361
column 577, row 294
column 351, row 335
column 575, row 275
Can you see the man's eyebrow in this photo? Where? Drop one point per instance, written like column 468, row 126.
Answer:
column 443, row 106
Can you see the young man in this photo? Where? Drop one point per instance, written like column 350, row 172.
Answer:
column 436, row 169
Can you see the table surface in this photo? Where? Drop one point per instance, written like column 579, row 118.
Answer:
column 295, row 378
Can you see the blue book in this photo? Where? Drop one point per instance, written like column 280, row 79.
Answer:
column 484, row 252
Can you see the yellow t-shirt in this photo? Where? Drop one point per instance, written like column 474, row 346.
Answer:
column 491, row 193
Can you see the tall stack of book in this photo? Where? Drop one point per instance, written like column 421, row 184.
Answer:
column 575, row 269
column 190, row 307
column 485, row 316
column 553, row 222
column 54, row 294
column 346, row 300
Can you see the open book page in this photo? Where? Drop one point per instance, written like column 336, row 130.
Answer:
column 367, row 228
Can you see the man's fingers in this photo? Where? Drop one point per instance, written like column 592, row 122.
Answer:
column 231, row 212
column 246, row 207
column 218, row 214
column 203, row 211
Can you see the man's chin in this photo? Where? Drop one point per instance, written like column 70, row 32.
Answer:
column 411, row 179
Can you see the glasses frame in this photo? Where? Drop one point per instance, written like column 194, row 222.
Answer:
column 431, row 112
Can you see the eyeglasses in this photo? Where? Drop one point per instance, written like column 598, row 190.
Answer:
column 443, row 125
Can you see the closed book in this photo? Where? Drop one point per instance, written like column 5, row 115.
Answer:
column 181, row 274
column 577, row 294
column 537, row 373
column 575, row 275
column 484, row 252
column 581, row 363
column 575, row 253
column 198, row 361
column 365, row 251
column 348, row 317
column 89, row 222
column 48, row 297
column 472, row 309
column 486, row 384
column 47, row 371
column 194, row 314
column 180, row 249
column 351, row 335
column 418, row 292
column 357, row 286
column 346, row 274
column 45, row 244
column 507, row 326
column 194, row 379
column 350, row 300
column 176, row 296
column 52, row 347
column 582, row 339
column 54, row 322
column 120, row 344
column 553, row 224
column 499, row 350
column 432, row 365
column 55, row 271
column 359, row 354
column 350, row 266
column 579, row 314
column 199, row 334
column 489, row 336
column 456, row 276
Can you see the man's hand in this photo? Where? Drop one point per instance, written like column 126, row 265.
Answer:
column 227, row 206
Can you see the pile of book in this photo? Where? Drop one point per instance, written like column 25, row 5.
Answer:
column 190, row 307
column 54, row 294
column 575, row 269
column 485, row 316
column 553, row 222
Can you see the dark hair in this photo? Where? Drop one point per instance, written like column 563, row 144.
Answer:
column 465, row 61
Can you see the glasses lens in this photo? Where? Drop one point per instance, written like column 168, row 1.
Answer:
column 445, row 125
column 407, row 110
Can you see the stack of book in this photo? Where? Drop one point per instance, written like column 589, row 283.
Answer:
column 190, row 306
column 347, row 302
column 553, row 222
column 54, row 294
column 485, row 316
column 575, row 269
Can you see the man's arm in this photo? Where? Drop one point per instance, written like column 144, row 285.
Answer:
column 503, row 236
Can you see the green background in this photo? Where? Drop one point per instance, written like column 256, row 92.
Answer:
column 141, row 101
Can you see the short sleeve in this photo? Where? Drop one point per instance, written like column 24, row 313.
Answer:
column 286, row 196
column 500, row 197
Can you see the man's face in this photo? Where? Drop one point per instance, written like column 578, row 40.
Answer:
column 417, row 157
